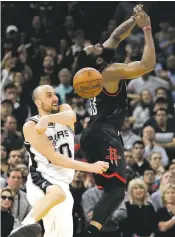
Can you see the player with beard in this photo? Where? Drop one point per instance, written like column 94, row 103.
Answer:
column 102, row 139
column 49, row 141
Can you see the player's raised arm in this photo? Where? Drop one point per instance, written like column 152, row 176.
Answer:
column 41, row 144
column 148, row 61
column 122, row 31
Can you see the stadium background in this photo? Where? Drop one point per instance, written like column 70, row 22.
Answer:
column 40, row 42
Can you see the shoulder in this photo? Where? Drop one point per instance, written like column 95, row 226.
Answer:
column 161, row 211
column 156, row 194
column 28, row 127
column 22, row 194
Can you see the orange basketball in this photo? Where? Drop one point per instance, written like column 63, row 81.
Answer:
column 88, row 82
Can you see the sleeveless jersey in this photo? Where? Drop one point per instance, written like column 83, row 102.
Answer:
column 110, row 108
column 106, row 107
column 62, row 138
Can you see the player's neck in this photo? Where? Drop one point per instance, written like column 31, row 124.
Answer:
column 15, row 191
column 42, row 113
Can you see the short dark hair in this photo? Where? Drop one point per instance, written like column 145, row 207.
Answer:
column 161, row 109
column 7, row 102
column 14, row 170
column 9, row 86
column 11, row 116
column 160, row 88
column 139, row 143
column 149, row 169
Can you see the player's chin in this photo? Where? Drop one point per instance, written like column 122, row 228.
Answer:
column 55, row 109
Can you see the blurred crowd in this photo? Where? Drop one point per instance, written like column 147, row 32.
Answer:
column 40, row 43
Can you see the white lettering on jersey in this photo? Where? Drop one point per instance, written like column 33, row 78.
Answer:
column 93, row 106
column 62, row 138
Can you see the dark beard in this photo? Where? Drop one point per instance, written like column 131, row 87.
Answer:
column 54, row 111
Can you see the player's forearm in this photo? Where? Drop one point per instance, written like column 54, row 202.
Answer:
column 64, row 118
column 149, row 55
column 61, row 160
column 60, row 117
column 124, row 30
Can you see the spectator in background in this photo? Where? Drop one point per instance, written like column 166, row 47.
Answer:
column 143, row 110
column 166, row 214
column 155, row 162
column 156, row 197
column 21, row 109
column 171, row 169
column 79, row 106
column 3, row 153
column 8, row 63
column 12, row 138
column 4, row 168
column 111, row 228
column 79, row 42
column 148, row 82
column 69, row 28
column 84, row 125
column 128, row 136
column 149, row 180
column 2, row 182
column 164, row 129
column 18, row 81
column 65, row 57
column 14, row 158
column 160, row 93
column 11, row 94
column 21, row 205
column 25, row 172
column 77, row 189
column 141, row 217
column 49, row 68
column 129, row 158
column 65, row 84
column 45, row 80
column 151, row 146
column 140, row 164
column 162, row 103
column 165, row 39
column 163, row 34
column 7, row 220
column 171, row 72
column 6, row 110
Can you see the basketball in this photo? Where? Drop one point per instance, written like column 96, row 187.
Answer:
column 88, row 82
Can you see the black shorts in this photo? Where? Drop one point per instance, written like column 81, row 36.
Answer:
column 102, row 141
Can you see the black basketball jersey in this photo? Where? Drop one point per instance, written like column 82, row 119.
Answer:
column 109, row 107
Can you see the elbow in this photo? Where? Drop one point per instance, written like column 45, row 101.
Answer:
column 148, row 67
column 116, row 37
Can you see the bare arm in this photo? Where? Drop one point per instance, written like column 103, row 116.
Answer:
column 120, row 33
column 168, row 144
column 166, row 225
column 41, row 143
column 138, row 68
column 66, row 117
